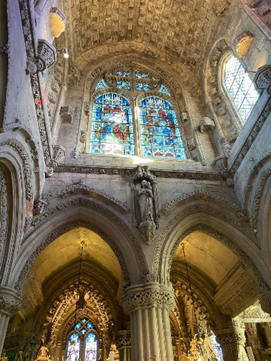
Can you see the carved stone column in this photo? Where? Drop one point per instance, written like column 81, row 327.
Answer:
column 228, row 341
column 10, row 302
column 149, row 305
column 123, row 343
column 239, row 329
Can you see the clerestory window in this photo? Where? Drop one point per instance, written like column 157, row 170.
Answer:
column 240, row 88
column 134, row 113
column 82, row 342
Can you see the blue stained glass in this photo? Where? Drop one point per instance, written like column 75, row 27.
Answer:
column 83, row 332
column 77, row 326
column 89, row 325
column 160, row 132
column 216, row 347
column 122, row 84
column 112, row 125
column 164, row 89
column 91, row 347
column 141, row 75
column 101, row 85
column 143, row 86
column 240, row 88
column 84, row 320
column 73, row 348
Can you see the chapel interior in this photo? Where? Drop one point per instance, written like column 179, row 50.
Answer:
column 135, row 180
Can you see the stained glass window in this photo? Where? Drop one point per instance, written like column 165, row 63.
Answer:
column 164, row 89
column 240, row 88
column 160, row 132
column 112, row 126
column 216, row 347
column 101, row 85
column 73, row 348
column 91, row 347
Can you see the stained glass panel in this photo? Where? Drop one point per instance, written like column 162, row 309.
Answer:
column 73, row 347
column 77, row 326
column 112, row 126
column 91, row 347
column 216, row 347
column 89, row 325
column 101, row 85
column 160, row 132
column 240, row 88
column 164, row 89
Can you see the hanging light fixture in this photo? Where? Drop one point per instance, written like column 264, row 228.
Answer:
column 198, row 338
column 80, row 303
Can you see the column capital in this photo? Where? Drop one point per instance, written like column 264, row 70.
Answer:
column 10, row 301
column 123, row 339
column 147, row 295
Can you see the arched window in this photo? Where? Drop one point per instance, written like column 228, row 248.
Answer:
column 132, row 100
column 240, row 88
column 83, row 342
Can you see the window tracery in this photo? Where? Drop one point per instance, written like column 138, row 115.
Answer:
column 82, row 342
column 132, row 100
column 240, row 88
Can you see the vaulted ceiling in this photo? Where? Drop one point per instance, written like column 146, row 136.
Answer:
column 181, row 28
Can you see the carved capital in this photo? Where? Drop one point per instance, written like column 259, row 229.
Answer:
column 263, row 78
column 147, row 231
column 148, row 295
column 123, row 339
column 228, row 341
column 10, row 301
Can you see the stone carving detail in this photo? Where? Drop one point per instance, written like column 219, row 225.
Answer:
column 262, row 8
column 43, row 353
column 10, row 301
column 146, row 207
column 206, row 125
column 67, row 114
column 39, row 205
column 4, row 212
column 191, row 144
column 58, row 155
column 243, row 43
column 123, row 339
column 3, row 48
column 83, row 136
column 221, row 164
column 148, row 295
column 46, row 56
column 263, row 77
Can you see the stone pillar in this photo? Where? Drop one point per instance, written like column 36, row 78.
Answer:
column 228, row 341
column 123, row 343
column 10, row 302
column 149, row 305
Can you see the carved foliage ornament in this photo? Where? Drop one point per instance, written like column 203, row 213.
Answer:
column 10, row 301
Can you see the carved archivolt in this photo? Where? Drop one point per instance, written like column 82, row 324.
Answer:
column 4, row 212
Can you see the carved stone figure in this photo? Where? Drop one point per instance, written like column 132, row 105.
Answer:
column 145, row 200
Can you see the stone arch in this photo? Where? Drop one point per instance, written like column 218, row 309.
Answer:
column 75, row 213
column 16, row 202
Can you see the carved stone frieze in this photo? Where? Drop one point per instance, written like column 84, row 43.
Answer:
column 147, row 295
column 10, row 301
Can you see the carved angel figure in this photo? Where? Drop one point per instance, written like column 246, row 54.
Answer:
column 145, row 200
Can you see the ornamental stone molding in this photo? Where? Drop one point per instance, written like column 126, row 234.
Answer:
column 123, row 339
column 206, row 125
column 147, row 295
column 263, row 77
column 4, row 212
column 10, row 301
column 3, row 48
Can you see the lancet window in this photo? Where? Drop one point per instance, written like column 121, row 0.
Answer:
column 134, row 113
column 240, row 88
column 82, row 342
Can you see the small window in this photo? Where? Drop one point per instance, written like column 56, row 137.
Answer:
column 240, row 88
